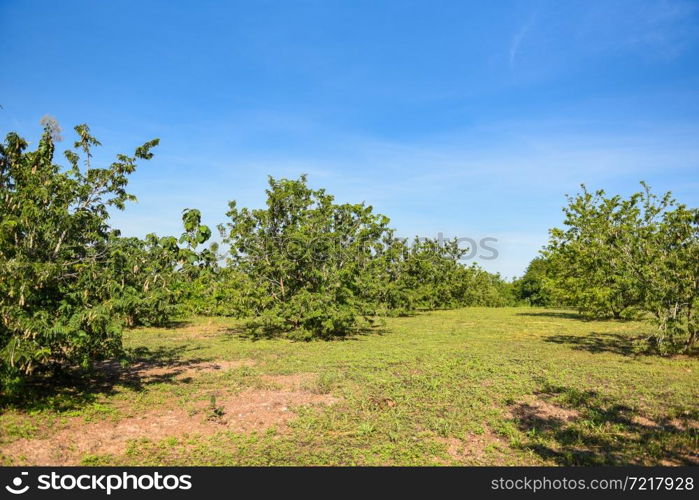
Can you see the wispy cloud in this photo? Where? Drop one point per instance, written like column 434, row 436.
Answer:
column 518, row 38
column 653, row 29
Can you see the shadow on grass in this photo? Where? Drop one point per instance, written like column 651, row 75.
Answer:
column 72, row 389
column 176, row 324
column 624, row 345
column 585, row 428
column 241, row 333
column 555, row 314
column 600, row 342
column 363, row 332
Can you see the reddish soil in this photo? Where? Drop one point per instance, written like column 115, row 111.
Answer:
column 248, row 411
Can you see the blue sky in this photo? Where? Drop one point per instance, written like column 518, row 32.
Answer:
column 471, row 119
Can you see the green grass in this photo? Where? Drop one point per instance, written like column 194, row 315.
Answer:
column 513, row 386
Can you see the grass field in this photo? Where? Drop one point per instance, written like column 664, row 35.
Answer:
column 474, row 386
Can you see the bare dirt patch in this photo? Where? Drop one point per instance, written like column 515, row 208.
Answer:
column 474, row 449
column 643, row 421
column 678, row 424
column 536, row 412
column 260, row 409
column 250, row 410
column 686, row 425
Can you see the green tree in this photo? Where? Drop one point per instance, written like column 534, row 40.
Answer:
column 149, row 281
column 532, row 288
column 304, row 256
column 427, row 274
column 660, row 248
column 139, row 279
column 54, row 246
column 588, row 270
column 627, row 256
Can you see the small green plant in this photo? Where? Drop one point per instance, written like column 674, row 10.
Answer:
column 214, row 411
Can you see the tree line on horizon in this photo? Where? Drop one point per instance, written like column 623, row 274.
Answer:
column 304, row 266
